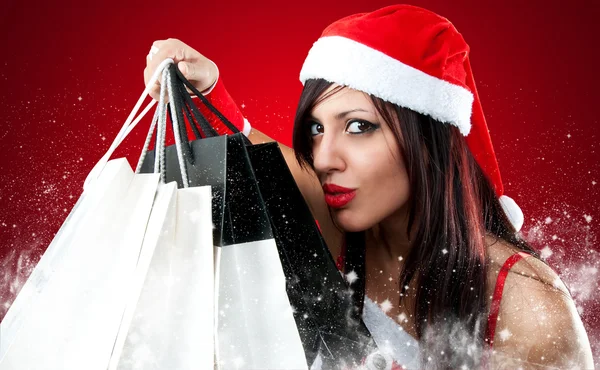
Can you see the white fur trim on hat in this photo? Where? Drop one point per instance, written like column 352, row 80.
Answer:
column 347, row 62
column 513, row 211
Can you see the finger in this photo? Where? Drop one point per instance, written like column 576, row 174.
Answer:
column 159, row 51
column 198, row 74
column 155, row 89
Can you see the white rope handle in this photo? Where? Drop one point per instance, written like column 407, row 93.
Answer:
column 160, row 118
column 175, row 118
column 129, row 124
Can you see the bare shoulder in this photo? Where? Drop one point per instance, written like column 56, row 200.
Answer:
column 538, row 324
column 531, row 267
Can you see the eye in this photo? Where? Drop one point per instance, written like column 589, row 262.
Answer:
column 316, row 128
column 360, row 127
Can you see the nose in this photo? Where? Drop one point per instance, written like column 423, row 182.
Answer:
column 328, row 156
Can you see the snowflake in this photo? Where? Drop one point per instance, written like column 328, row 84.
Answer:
column 548, row 220
column 505, row 334
column 588, row 218
column 351, row 277
column 546, row 252
column 400, row 258
column 568, row 136
column 402, row 317
column 386, row 306
column 444, row 251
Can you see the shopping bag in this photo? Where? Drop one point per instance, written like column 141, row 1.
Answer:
column 84, row 209
column 168, row 323
column 74, row 317
column 255, row 323
column 326, row 314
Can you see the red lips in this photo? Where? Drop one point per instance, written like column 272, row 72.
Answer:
column 337, row 196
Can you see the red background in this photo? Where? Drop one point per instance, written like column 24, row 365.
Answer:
column 71, row 71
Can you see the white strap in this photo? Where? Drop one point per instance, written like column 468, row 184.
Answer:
column 175, row 119
column 129, row 124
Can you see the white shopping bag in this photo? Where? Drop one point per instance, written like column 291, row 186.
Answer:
column 256, row 327
column 73, row 321
column 168, row 322
column 169, row 325
column 84, row 211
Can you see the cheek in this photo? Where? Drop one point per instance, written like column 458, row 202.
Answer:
column 384, row 184
column 389, row 185
column 382, row 165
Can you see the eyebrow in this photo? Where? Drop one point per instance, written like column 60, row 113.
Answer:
column 341, row 115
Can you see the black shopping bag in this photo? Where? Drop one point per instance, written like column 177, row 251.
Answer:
column 327, row 317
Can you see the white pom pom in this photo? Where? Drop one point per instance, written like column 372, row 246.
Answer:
column 513, row 212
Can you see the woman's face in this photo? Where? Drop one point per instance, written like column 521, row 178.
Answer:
column 358, row 161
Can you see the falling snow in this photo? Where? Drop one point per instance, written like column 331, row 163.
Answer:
column 504, row 334
column 351, row 277
column 386, row 305
column 546, row 252
column 402, row 317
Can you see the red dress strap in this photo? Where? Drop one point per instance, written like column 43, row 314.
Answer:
column 497, row 297
column 341, row 258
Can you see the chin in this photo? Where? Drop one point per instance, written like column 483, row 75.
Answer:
column 350, row 222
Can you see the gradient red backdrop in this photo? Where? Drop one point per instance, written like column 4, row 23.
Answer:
column 71, row 72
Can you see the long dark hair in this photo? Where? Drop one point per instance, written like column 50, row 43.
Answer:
column 452, row 206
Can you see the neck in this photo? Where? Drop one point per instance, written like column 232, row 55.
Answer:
column 389, row 238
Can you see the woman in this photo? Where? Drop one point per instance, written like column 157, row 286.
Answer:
column 392, row 153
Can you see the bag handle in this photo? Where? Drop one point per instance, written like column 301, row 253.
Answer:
column 127, row 127
column 212, row 132
column 173, row 108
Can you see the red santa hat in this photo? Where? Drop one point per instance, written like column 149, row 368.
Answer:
column 416, row 59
